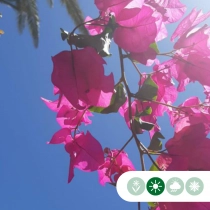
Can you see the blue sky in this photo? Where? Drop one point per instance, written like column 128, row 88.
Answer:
column 33, row 175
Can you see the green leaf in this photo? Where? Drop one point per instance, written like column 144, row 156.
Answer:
column 153, row 168
column 154, row 46
column 147, row 111
column 136, row 126
column 156, row 144
column 139, row 123
column 145, row 125
column 148, row 91
column 96, row 109
column 118, row 99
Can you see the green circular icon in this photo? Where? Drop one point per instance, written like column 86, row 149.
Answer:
column 155, row 186
column 136, row 186
column 194, row 186
column 175, row 186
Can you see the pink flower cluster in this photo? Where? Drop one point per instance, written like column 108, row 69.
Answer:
column 81, row 83
column 140, row 23
column 78, row 77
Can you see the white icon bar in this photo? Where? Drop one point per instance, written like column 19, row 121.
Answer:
column 164, row 186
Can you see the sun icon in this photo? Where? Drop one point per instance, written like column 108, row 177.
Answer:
column 155, row 186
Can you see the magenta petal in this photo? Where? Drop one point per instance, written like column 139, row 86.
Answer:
column 71, row 171
column 94, row 29
column 91, row 153
column 137, row 34
column 190, row 21
column 76, row 79
column 60, row 136
column 101, row 98
column 195, row 41
column 107, row 170
column 171, row 10
column 198, row 68
column 51, row 104
column 147, row 58
column 103, row 179
column 86, row 153
column 127, row 11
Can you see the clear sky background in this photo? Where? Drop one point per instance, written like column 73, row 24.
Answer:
column 33, row 175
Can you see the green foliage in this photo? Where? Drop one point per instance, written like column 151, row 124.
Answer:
column 148, row 91
column 146, row 112
column 154, row 46
column 156, row 143
column 145, row 125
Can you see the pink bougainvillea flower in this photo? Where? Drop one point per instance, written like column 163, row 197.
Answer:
column 56, row 105
column 67, row 115
column 197, row 68
column 161, row 28
column 122, row 9
column 175, row 67
column 95, row 27
column 189, row 22
column 72, row 118
column 85, row 151
column 168, row 162
column 171, row 11
column 136, row 34
column 189, row 68
column 79, row 75
column 55, row 90
column 196, row 40
column 138, row 107
column 190, row 112
column 191, row 138
column 166, row 93
column 114, row 166
column 188, row 150
column 191, row 60
column 60, row 136
column 147, row 58
column 183, row 205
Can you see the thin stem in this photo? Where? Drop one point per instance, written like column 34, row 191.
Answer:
column 139, row 206
column 167, row 53
column 154, row 72
column 168, row 105
column 124, row 146
column 135, row 66
column 142, row 149
column 81, row 24
column 75, row 129
column 142, row 161
column 114, row 158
